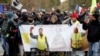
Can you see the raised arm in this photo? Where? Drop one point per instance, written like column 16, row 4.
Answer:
column 47, row 44
column 31, row 34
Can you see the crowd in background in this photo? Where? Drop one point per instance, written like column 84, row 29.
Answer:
column 10, row 20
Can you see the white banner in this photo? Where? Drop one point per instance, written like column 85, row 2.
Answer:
column 58, row 36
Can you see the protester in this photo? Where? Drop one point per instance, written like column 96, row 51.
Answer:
column 6, row 17
column 39, row 19
column 54, row 20
column 59, row 15
column 74, row 20
column 93, row 34
column 42, row 45
column 24, row 15
column 76, row 41
column 18, row 14
column 9, row 23
column 1, row 19
column 30, row 20
column 47, row 19
column 67, row 19
column 12, row 36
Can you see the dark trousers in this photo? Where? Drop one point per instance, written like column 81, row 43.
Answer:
column 13, row 48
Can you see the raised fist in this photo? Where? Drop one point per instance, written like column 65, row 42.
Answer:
column 31, row 28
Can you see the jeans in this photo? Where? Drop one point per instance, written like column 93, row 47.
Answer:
column 5, row 45
column 93, row 49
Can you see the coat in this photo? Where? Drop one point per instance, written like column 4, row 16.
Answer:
column 93, row 28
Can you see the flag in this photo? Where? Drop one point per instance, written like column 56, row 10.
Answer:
column 98, row 4
column 93, row 5
column 16, row 4
column 1, row 8
column 78, row 8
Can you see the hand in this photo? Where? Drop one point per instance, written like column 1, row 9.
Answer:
column 31, row 28
column 86, row 20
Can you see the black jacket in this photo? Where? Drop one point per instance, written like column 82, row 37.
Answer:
column 93, row 31
column 11, row 34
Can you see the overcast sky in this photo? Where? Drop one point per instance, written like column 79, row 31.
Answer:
column 62, row 0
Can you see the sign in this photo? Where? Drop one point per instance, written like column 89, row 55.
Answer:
column 16, row 4
column 58, row 36
column 1, row 8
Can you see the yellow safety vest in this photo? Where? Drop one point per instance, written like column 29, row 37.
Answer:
column 76, row 40
column 77, row 22
column 41, row 45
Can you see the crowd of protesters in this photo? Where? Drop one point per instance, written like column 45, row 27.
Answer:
column 9, row 22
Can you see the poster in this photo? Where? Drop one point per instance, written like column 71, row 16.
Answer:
column 16, row 4
column 58, row 36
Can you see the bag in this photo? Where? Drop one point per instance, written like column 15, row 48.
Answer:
column 84, row 44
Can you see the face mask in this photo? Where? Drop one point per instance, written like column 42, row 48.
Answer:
column 30, row 21
column 16, row 20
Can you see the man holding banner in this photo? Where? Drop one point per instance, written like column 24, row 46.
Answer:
column 42, row 45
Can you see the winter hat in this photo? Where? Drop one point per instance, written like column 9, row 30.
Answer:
column 24, row 10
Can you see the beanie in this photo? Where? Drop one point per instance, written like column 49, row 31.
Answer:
column 74, row 15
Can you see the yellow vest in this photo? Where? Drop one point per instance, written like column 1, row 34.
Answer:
column 76, row 40
column 41, row 45
column 77, row 22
